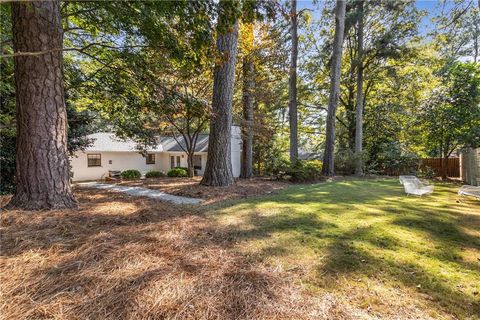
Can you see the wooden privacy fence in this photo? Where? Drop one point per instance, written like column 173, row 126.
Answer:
column 453, row 166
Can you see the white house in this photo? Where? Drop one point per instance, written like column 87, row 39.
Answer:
column 108, row 153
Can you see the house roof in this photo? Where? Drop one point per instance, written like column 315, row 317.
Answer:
column 172, row 144
column 105, row 141
column 307, row 155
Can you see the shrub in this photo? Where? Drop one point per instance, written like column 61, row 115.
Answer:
column 345, row 161
column 427, row 173
column 278, row 168
column 304, row 171
column 154, row 174
column 394, row 159
column 178, row 172
column 131, row 174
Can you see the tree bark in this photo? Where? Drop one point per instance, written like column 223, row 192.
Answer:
column 336, row 68
column 292, row 84
column 42, row 170
column 477, row 34
column 246, row 170
column 218, row 171
column 191, row 169
column 359, row 106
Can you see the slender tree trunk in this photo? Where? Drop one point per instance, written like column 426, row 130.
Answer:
column 246, row 170
column 292, row 84
column 444, row 161
column 42, row 177
column 336, row 69
column 218, row 171
column 191, row 169
column 477, row 34
column 359, row 107
column 444, row 167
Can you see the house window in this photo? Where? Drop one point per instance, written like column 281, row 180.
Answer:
column 178, row 161
column 94, row 160
column 151, row 158
column 172, row 162
column 197, row 162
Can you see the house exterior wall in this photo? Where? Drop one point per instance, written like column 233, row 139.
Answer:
column 183, row 160
column 470, row 166
column 120, row 161
column 236, row 150
column 133, row 160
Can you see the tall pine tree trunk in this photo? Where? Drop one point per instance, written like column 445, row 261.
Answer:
column 359, row 107
column 42, row 174
column 248, row 87
column 292, row 84
column 218, row 171
column 336, row 68
column 477, row 34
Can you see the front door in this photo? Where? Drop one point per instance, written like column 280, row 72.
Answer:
column 172, row 162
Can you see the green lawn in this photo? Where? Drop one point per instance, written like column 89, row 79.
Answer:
column 368, row 244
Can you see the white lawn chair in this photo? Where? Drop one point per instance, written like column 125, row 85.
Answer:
column 470, row 191
column 403, row 178
column 416, row 187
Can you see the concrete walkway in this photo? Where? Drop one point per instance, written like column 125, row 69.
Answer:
column 142, row 192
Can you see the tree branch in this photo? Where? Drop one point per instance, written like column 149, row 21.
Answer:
column 81, row 50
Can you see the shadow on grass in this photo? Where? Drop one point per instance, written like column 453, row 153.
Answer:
column 362, row 228
column 346, row 258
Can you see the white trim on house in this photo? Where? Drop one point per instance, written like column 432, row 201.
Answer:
column 120, row 155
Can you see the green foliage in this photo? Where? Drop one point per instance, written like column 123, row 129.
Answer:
column 450, row 117
column 7, row 161
column 300, row 171
column 178, row 172
column 7, row 107
column 277, row 167
column 457, row 34
column 154, row 174
column 426, row 172
column 394, row 159
column 305, row 171
column 344, row 161
column 131, row 174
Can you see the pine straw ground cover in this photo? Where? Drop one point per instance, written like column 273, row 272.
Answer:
column 190, row 187
column 119, row 257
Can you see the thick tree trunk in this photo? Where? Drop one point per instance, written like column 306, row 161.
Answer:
column 328, row 162
column 42, row 177
column 218, row 171
column 359, row 107
column 292, row 84
column 247, row 128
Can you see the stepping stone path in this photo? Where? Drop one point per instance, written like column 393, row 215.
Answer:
column 142, row 192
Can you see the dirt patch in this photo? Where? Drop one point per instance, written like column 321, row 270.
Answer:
column 120, row 257
column 190, row 187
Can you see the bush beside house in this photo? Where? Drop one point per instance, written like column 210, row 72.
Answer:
column 154, row 174
column 178, row 172
column 131, row 174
